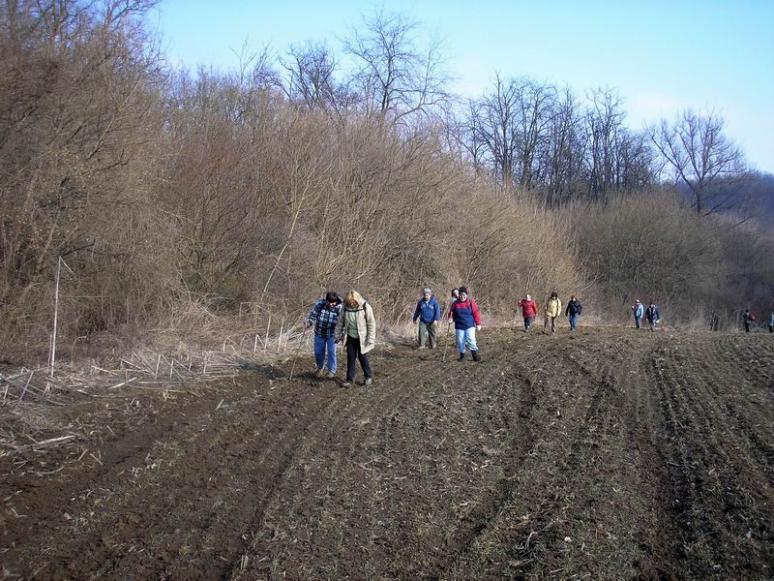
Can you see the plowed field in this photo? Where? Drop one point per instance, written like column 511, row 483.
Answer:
column 603, row 454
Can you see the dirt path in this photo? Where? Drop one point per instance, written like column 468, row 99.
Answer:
column 603, row 454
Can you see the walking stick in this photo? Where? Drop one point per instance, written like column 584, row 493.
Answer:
column 298, row 350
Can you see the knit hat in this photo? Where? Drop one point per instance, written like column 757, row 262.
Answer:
column 427, row 290
column 463, row 289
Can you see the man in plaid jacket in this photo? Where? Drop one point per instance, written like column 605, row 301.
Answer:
column 325, row 316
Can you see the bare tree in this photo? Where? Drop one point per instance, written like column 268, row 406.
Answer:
column 472, row 137
column 604, row 121
column 536, row 105
column 701, row 157
column 311, row 70
column 394, row 77
column 494, row 122
column 564, row 151
column 511, row 123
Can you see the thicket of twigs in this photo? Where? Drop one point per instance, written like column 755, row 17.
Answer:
column 653, row 248
column 202, row 209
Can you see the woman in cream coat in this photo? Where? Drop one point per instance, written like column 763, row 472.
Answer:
column 358, row 331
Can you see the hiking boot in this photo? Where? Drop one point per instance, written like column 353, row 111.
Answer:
column 475, row 356
column 462, row 356
column 368, row 381
column 347, row 383
column 319, row 373
column 330, row 375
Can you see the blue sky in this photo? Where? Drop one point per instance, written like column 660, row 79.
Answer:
column 661, row 56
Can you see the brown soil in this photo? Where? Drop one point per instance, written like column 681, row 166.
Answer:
column 604, row 454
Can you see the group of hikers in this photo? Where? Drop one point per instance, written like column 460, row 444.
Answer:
column 351, row 321
column 748, row 320
column 552, row 311
column 650, row 313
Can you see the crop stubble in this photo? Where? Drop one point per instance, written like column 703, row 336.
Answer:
column 606, row 453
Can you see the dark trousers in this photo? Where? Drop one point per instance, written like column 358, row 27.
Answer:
column 353, row 356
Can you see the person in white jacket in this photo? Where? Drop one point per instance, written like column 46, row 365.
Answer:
column 358, row 331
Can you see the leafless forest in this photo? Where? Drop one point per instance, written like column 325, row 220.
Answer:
column 184, row 206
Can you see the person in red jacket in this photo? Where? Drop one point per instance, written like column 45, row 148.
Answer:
column 467, row 320
column 529, row 311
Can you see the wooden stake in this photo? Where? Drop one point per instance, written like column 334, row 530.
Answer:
column 52, row 356
column 266, row 341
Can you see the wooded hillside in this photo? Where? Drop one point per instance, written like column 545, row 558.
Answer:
column 178, row 202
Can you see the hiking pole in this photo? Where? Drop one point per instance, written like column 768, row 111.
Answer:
column 298, row 350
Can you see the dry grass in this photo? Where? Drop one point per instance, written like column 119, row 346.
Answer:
column 247, row 202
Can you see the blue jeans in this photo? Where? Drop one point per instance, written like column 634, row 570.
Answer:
column 637, row 322
column 528, row 322
column 466, row 338
column 573, row 322
column 321, row 344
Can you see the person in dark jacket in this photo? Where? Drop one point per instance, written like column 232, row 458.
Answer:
column 748, row 319
column 467, row 319
column 652, row 315
column 325, row 316
column 573, row 311
column 771, row 322
column 428, row 312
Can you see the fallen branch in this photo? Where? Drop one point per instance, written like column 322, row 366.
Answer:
column 127, row 382
column 44, row 443
column 26, row 385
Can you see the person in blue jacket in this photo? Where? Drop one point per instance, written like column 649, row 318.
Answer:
column 428, row 312
column 638, row 311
